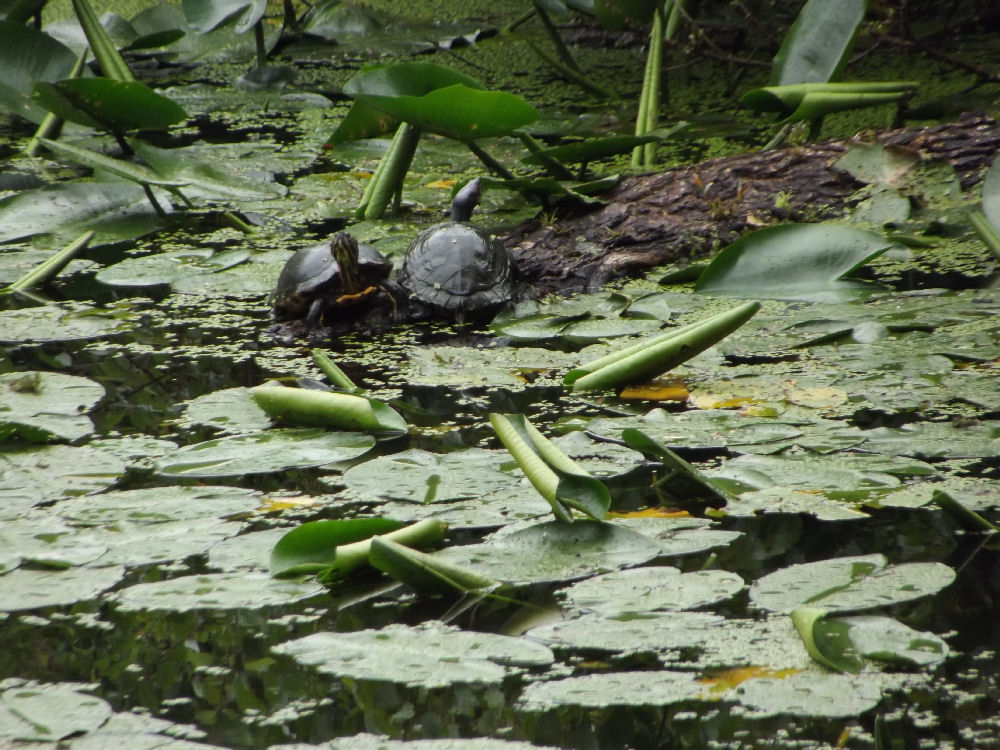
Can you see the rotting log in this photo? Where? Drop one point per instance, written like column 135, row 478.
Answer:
column 655, row 219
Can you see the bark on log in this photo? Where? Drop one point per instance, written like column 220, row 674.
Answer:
column 650, row 220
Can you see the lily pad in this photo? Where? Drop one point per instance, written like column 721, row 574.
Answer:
column 418, row 476
column 936, row 440
column 430, row 656
column 42, row 406
column 652, row 589
column 25, row 588
column 554, row 551
column 107, row 103
column 216, row 591
column 169, row 267
column 230, row 411
column 886, row 639
column 58, row 323
column 114, row 210
column 33, row 474
column 40, row 713
column 793, row 261
column 263, row 452
column 651, row 688
column 647, row 633
column 811, row 694
column 849, row 584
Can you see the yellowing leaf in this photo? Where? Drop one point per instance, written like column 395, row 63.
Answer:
column 729, row 679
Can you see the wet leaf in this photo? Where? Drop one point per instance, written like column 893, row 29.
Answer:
column 793, row 261
column 649, row 688
column 263, row 452
column 889, row 640
column 114, row 210
column 652, row 589
column 40, row 406
column 849, row 584
column 26, row 56
column 430, row 656
column 811, row 694
column 418, row 476
column 425, row 572
column 827, row 640
column 38, row 713
column 300, row 406
column 216, row 591
column 816, row 46
column 648, row 633
column 34, row 474
column 936, row 440
column 106, row 103
column 25, row 589
column 312, row 546
column 169, row 267
column 554, row 551
column 991, row 194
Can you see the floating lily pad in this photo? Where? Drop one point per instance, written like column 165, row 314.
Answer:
column 793, row 501
column 936, row 440
column 39, row 713
column 42, row 406
column 114, row 210
column 159, row 505
column 48, row 542
column 652, row 589
column 264, row 452
column 25, row 588
column 652, row 688
column 647, row 633
column 135, row 544
column 886, row 639
column 680, row 536
column 34, row 474
column 376, row 742
column 56, row 323
column 811, row 694
column 216, row 591
column 846, row 584
column 429, row 656
column 170, row 267
column 554, row 551
column 420, row 477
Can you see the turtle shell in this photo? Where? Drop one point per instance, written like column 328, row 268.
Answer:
column 314, row 271
column 457, row 268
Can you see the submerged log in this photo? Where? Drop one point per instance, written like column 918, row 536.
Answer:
column 654, row 219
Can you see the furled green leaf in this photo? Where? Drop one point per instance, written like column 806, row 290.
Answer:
column 422, row 571
column 312, row 547
column 826, row 639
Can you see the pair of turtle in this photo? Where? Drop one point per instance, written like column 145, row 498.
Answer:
column 454, row 268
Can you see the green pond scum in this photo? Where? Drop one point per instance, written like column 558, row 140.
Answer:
column 769, row 522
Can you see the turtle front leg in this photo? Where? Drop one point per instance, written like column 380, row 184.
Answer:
column 316, row 310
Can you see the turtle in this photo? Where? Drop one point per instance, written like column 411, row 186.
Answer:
column 456, row 268
column 338, row 272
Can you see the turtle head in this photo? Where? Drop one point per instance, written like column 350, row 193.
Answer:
column 344, row 249
column 466, row 200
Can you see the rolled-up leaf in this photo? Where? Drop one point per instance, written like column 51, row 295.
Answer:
column 539, row 474
column 422, row 571
column 827, row 640
column 337, row 377
column 326, row 409
column 661, row 353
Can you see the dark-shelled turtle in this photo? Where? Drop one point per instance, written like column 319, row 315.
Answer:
column 335, row 273
column 456, row 268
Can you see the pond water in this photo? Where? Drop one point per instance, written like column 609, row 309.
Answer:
column 837, row 447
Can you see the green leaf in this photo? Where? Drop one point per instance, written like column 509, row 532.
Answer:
column 991, row 194
column 806, row 100
column 793, row 261
column 106, row 103
column 590, row 149
column 424, row 572
column 458, row 111
column 815, row 48
column 139, row 173
column 826, row 640
column 312, row 547
column 113, row 65
column 43, row 406
column 325, row 408
column 889, row 640
column 263, row 452
column 681, row 479
column 206, row 15
column 849, row 584
column 26, row 57
column 215, row 591
column 406, row 79
column 659, row 354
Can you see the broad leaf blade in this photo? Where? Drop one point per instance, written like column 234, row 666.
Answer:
column 816, row 46
column 793, row 261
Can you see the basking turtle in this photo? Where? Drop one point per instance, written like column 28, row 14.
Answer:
column 457, row 268
column 335, row 273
